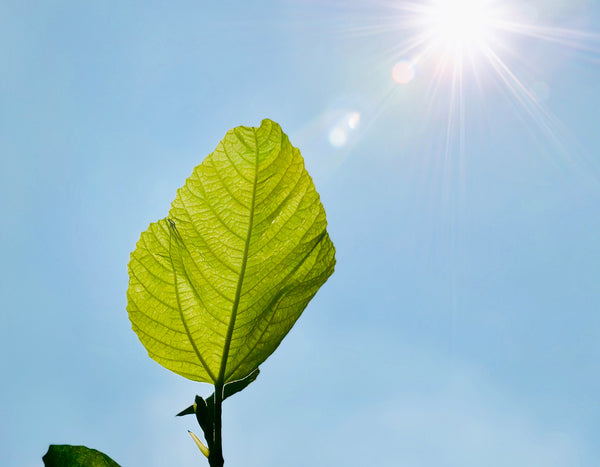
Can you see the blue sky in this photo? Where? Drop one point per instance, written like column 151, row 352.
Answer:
column 462, row 325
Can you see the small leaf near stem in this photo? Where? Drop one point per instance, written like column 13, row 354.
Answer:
column 206, row 410
column 199, row 443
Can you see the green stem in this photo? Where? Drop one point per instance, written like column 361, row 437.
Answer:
column 215, row 458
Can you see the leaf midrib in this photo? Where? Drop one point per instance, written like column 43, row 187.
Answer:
column 277, row 296
column 238, row 292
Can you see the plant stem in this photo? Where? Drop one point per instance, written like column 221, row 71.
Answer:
column 215, row 458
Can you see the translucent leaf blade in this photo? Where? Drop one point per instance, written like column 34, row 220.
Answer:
column 214, row 289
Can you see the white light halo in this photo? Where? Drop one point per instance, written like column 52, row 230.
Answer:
column 459, row 26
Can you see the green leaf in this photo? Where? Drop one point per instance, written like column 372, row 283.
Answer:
column 203, row 449
column 216, row 286
column 64, row 455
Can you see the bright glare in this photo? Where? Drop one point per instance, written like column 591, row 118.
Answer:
column 460, row 25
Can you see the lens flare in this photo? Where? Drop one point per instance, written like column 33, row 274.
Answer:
column 341, row 132
column 403, row 72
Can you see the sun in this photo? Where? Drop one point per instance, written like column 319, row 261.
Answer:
column 460, row 26
column 460, row 23
column 455, row 54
